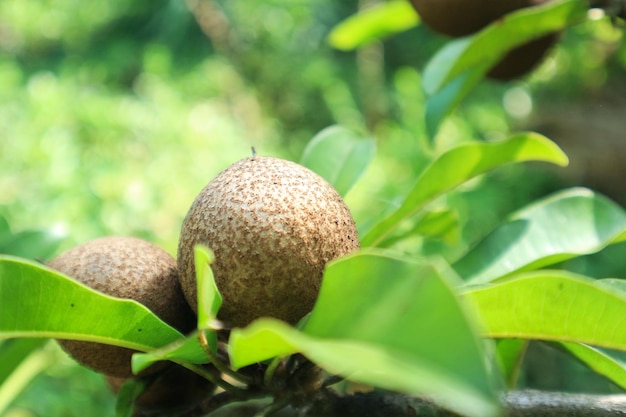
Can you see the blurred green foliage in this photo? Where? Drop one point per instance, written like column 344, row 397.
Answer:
column 63, row 389
column 114, row 114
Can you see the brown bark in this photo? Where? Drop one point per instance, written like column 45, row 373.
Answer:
column 328, row 403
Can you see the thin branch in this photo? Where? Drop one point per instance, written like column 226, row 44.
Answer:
column 271, row 370
column 526, row 403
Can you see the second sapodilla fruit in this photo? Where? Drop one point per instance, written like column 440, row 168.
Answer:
column 273, row 226
column 463, row 17
column 131, row 268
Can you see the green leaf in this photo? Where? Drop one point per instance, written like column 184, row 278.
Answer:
column 456, row 69
column 129, row 392
column 389, row 322
column 209, row 297
column 565, row 225
column 553, row 306
column 510, row 357
column 610, row 364
column 5, row 229
column 340, row 156
column 182, row 350
column 13, row 352
column 600, row 361
column 373, row 24
column 486, row 47
column 36, row 301
column 31, row 244
column 463, row 163
column 613, row 284
column 444, row 100
column 442, row 224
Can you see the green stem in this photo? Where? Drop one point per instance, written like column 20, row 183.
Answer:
column 223, row 368
column 270, row 371
column 226, row 386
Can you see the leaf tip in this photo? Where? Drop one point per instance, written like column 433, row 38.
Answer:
column 204, row 253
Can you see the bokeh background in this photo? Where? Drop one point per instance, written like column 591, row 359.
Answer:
column 113, row 115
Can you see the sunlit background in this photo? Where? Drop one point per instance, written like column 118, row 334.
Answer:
column 115, row 114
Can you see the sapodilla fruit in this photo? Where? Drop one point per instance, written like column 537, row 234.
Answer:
column 273, row 226
column 173, row 387
column 518, row 61
column 124, row 267
column 462, row 17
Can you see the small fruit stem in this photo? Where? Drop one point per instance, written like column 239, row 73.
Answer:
column 269, row 372
column 223, row 368
column 253, row 151
column 216, row 380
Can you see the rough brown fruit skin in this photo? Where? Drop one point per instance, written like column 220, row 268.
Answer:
column 273, row 226
column 124, row 267
column 462, row 17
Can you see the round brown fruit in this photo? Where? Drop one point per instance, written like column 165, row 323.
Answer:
column 273, row 226
column 519, row 61
column 124, row 267
column 462, row 17
column 173, row 387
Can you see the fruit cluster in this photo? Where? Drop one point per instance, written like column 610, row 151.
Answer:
column 273, row 226
column 458, row 18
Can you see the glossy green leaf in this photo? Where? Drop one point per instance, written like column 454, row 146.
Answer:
column 611, row 364
column 553, row 306
column 600, row 361
column 463, row 163
column 340, row 156
column 373, row 24
column 188, row 349
column 36, row 301
column 209, row 297
column 487, row 46
column 182, row 350
column 401, row 318
column 567, row 224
